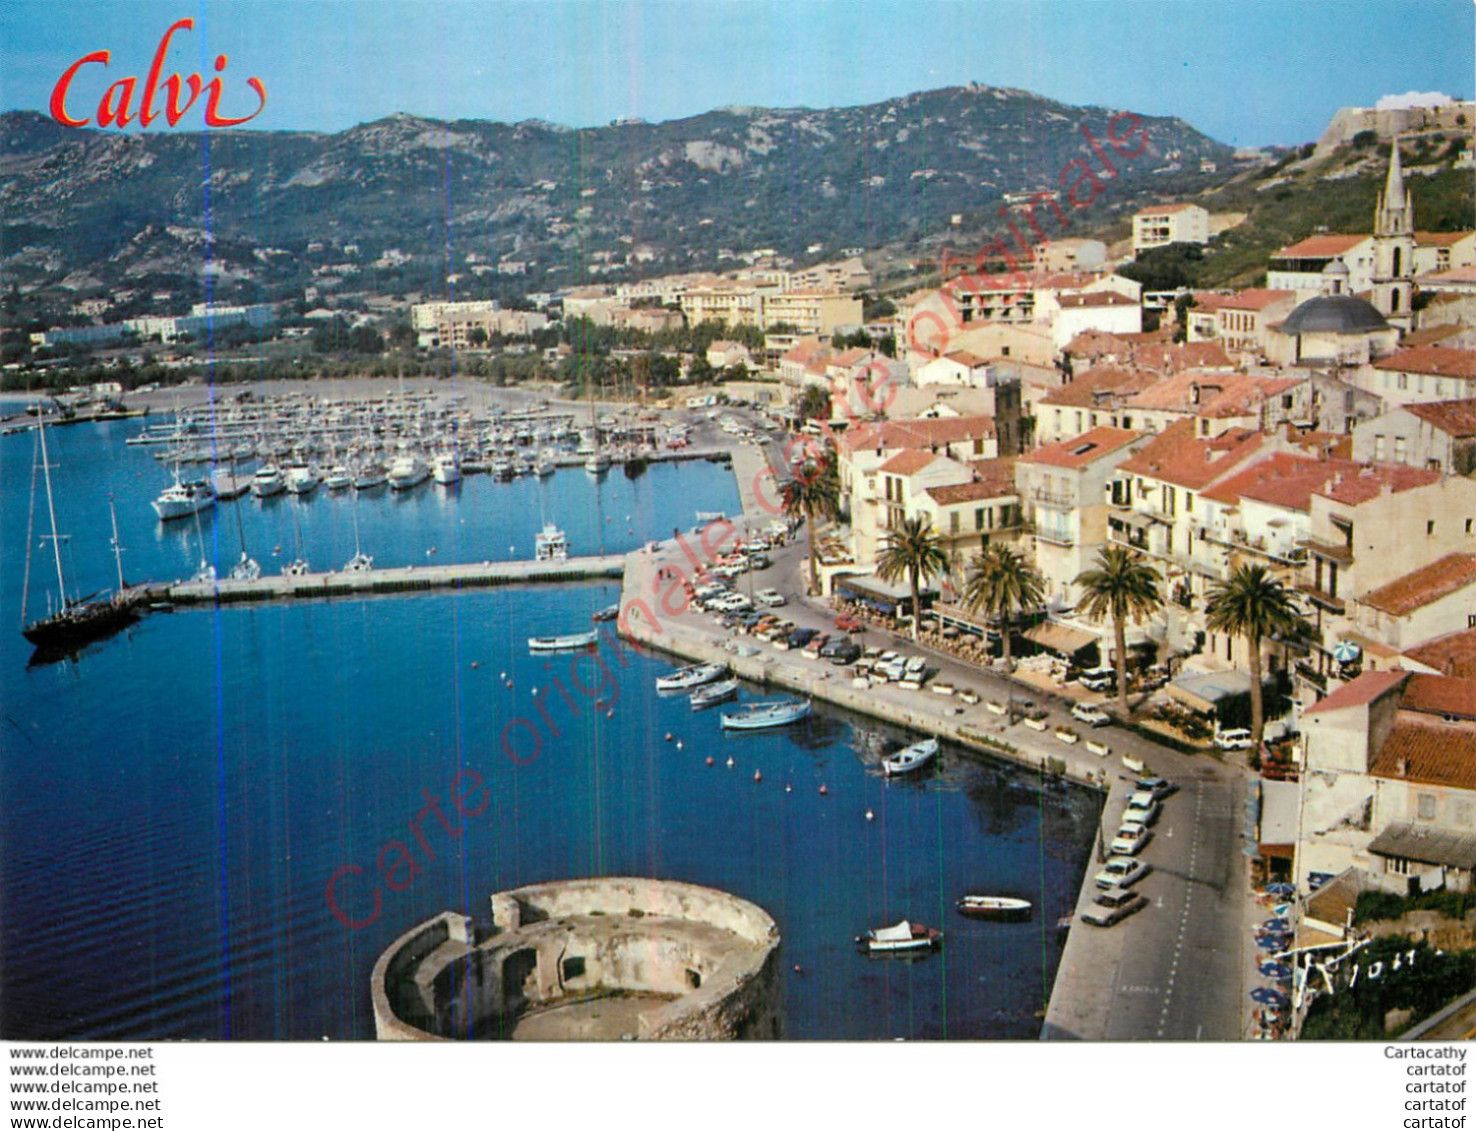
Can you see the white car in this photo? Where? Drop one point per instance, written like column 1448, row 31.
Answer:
column 1122, row 872
column 1144, row 812
column 1236, row 739
column 1130, row 839
column 1090, row 714
column 771, row 598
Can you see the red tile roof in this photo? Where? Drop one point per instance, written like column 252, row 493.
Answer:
column 889, row 435
column 1082, row 392
column 1359, row 692
column 1427, row 752
column 1440, row 239
column 1084, row 449
column 995, row 479
column 1455, row 418
column 1211, row 394
column 964, row 357
column 1452, row 655
column 997, row 473
column 1440, row 361
column 1371, row 480
column 1319, row 247
column 1440, row 695
column 1177, row 456
column 1163, row 208
column 909, row 462
column 1282, row 479
column 1423, row 586
column 1257, row 298
column 1432, row 335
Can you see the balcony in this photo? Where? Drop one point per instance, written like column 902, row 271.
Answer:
column 1054, row 537
column 1321, row 598
column 1339, row 552
column 1237, row 540
column 1050, row 498
column 1307, row 672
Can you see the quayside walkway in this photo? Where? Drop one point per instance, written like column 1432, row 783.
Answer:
column 405, row 579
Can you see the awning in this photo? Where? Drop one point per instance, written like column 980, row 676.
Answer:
column 1279, row 804
column 1428, row 844
column 1060, row 638
column 1206, row 691
column 961, row 617
column 870, row 586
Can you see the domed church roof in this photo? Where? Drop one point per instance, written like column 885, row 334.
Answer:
column 1337, row 314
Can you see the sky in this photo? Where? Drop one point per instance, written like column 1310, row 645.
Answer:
column 1246, row 72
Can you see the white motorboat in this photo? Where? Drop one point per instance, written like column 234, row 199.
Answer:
column 370, row 475
column 446, row 468
column 693, row 675
column 247, row 569
column 268, row 481
column 904, row 936
column 911, row 758
column 545, row 466
column 339, row 478
column 184, row 498
column 569, row 643
column 760, row 716
column 550, row 544
column 359, row 563
column 406, row 471
column 302, row 480
column 608, row 613
column 597, row 464
column 714, row 693
column 993, row 907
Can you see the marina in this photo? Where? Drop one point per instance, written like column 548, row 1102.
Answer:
column 330, row 716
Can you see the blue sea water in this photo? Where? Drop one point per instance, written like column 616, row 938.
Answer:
column 175, row 802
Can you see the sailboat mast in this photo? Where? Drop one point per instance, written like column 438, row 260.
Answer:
column 61, row 581
column 117, row 548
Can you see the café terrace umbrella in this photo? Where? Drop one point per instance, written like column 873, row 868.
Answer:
column 1346, row 652
column 1278, row 970
column 1267, row 996
column 1272, row 942
column 1276, row 925
column 1281, row 889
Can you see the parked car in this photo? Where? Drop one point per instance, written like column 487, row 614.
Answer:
column 1090, row 714
column 812, row 649
column 1122, row 872
column 1142, row 808
column 1099, row 679
column 840, row 651
column 800, row 637
column 1130, row 839
column 770, row 598
column 1237, row 738
column 1098, row 916
column 1157, row 786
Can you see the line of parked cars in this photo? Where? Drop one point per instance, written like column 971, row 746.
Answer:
column 1115, row 899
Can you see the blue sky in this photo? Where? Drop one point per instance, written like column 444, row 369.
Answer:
column 1247, row 72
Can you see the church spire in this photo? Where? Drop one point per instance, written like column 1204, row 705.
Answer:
column 1395, row 215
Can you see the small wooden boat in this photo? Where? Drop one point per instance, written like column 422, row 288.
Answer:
column 993, row 907
column 569, row 643
column 905, row 936
column 714, row 693
column 693, row 675
column 759, row 716
column 911, row 758
column 609, row 613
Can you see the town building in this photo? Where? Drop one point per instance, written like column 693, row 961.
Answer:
column 1164, row 224
column 1434, row 434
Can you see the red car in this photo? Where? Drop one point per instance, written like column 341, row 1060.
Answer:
column 848, row 624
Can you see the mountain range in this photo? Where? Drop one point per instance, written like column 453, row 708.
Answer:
column 87, row 211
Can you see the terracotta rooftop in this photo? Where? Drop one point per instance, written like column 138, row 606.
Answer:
column 1210, row 394
column 1319, row 247
column 1423, row 586
column 1282, row 479
column 1466, row 274
column 1114, row 379
column 1432, row 335
column 1371, row 480
column 964, row 357
column 1359, row 692
column 1163, row 208
column 1455, row 418
column 1427, row 752
column 1256, row 298
column 993, row 479
column 1177, row 456
column 1450, row 655
column 909, row 462
column 890, row 435
column 1440, row 695
column 1440, row 361
column 1084, row 449
column 1440, row 239
column 1093, row 344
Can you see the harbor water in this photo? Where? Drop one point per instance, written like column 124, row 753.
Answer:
column 212, row 824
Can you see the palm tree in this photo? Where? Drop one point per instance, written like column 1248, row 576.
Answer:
column 1253, row 604
column 811, row 494
column 914, row 551
column 814, row 404
column 1002, row 583
column 1122, row 586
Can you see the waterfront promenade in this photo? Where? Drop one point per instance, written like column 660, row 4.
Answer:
column 1178, row 970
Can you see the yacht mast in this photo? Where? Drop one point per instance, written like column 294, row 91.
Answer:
column 61, row 581
column 117, row 548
